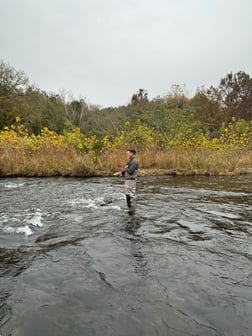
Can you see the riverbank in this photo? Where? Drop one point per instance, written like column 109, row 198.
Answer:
column 61, row 160
column 72, row 154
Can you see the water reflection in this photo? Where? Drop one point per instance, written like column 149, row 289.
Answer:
column 132, row 224
column 140, row 260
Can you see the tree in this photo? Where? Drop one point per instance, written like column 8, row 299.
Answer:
column 236, row 95
column 12, row 89
column 207, row 109
column 53, row 114
column 141, row 97
column 11, row 81
column 176, row 97
column 76, row 111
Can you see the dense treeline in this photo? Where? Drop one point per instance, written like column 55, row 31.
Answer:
column 45, row 133
column 207, row 110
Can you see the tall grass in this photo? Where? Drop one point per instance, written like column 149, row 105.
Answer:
column 50, row 154
column 197, row 161
column 68, row 161
column 47, row 155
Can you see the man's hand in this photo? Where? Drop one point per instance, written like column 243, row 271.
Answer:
column 117, row 174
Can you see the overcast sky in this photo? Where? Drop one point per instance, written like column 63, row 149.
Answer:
column 105, row 50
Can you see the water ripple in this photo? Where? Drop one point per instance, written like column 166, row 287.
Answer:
column 74, row 262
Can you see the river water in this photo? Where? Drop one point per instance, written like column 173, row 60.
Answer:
column 74, row 262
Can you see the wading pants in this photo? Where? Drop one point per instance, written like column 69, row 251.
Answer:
column 130, row 187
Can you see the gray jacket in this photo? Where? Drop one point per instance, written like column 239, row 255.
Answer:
column 130, row 171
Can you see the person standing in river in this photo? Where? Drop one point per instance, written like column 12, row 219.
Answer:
column 130, row 175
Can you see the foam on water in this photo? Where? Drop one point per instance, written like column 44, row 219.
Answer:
column 94, row 203
column 10, row 223
column 87, row 202
column 13, row 185
column 36, row 219
column 114, row 207
column 22, row 229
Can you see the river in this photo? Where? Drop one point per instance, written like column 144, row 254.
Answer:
column 75, row 263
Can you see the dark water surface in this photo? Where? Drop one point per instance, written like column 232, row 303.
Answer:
column 74, row 262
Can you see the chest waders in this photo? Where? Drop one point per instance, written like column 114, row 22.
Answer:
column 130, row 186
column 130, row 175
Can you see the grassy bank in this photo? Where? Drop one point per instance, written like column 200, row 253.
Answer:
column 194, row 161
column 73, row 154
column 67, row 161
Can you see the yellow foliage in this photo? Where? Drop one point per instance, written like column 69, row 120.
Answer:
column 186, row 151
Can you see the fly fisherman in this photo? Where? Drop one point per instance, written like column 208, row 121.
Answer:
column 130, row 175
